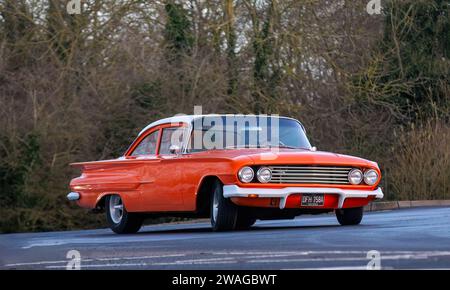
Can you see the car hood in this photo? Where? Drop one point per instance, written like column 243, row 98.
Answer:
column 292, row 156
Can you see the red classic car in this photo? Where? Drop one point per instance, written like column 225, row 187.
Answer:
column 234, row 169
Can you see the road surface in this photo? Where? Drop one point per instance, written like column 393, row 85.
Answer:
column 416, row 238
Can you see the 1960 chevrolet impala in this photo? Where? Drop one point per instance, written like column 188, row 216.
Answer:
column 234, row 169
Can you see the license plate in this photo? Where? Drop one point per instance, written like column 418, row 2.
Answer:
column 312, row 199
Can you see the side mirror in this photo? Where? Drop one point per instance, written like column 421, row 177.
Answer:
column 314, row 149
column 174, row 149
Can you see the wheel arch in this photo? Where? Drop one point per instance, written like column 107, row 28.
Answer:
column 101, row 200
column 203, row 199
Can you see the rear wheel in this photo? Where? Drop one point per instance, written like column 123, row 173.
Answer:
column 119, row 219
column 223, row 211
column 350, row 216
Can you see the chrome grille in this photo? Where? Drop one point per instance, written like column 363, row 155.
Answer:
column 310, row 174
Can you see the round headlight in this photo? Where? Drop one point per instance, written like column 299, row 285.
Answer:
column 355, row 176
column 370, row 177
column 264, row 175
column 246, row 174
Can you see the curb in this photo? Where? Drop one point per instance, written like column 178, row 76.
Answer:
column 390, row 205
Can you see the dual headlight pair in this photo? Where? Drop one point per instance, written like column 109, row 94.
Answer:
column 370, row 177
column 264, row 175
column 246, row 174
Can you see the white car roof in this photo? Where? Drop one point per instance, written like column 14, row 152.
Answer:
column 189, row 118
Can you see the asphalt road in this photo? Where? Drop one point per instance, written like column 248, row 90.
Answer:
column 405, row 239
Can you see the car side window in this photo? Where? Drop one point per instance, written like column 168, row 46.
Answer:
column 171, row 136
column 147, row 145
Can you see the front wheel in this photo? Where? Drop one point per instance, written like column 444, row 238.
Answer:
column 350, row 216
column 244, row 220
column 119, row 219
column 223, row 211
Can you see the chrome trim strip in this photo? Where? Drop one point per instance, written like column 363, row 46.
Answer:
column 309, row 181
column 290, row 173
column 311, row 167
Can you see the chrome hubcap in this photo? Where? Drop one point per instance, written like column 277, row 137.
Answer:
column 116, row 208
column 215, row 207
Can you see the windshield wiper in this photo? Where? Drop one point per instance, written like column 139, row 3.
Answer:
column 287, row 147
column 244, row 146
column 264, row 146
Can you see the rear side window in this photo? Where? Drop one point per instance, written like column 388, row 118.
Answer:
column 147, row 145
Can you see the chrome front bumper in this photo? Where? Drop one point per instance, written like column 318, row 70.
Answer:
column 283, row 193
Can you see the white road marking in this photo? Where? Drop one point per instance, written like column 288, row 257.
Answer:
column 332, row 268
column 243, row 257
column 411, row 256
column 96, row 259
column 210, row 260
column 147, row 264
column 340, row 268
column 48, row 242
column 42, row 263
column 301, row 253
column 139, row 257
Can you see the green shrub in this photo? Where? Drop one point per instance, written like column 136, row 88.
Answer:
column 420, row 164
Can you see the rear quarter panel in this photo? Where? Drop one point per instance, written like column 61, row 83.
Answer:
column 123, row 177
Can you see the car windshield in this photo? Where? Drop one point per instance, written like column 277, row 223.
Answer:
column 231, row 132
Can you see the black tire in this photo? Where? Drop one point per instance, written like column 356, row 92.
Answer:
column 129, row 223
column 350, row 216
column 244, row 220
column 226, row 216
